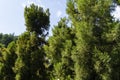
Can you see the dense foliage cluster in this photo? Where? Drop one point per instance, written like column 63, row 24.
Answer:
column 84, row 46
column 5, row 39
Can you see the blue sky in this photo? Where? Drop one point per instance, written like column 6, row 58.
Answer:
column 12, row 13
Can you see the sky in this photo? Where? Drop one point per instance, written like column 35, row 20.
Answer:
column 12, row 13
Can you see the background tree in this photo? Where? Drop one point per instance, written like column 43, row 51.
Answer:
column 7, row 38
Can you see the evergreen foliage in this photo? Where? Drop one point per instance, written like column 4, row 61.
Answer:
column 36, row 19
column 30, row 54
column 95, row 42
column 59, row 50
column 7, row 60
column 86, row 46
column 5, row 39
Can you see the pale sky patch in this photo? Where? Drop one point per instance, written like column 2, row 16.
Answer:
column 23, row 5
column 117, row 13
column 39, row 3
column 27, row 3
column 36, row 2
column 59, row 13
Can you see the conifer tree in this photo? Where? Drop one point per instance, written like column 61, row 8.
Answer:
column 96, row 38
column 36, row 19
column 7, row 60
column 31, row 57
column 59, row 50
column 115, row 60
column 1, row 61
